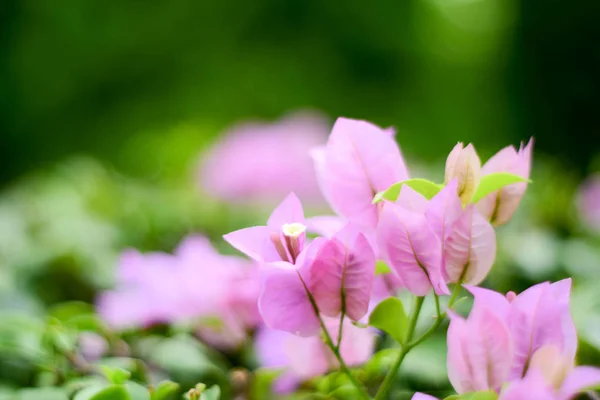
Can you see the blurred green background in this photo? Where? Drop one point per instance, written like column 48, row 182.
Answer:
column 105, row 107
column 98, row 76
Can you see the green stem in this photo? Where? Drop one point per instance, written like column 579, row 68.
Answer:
column 336, row 352
column 409, row 343
column 391, row 375
column 335, row 349
column 340, row 331
column 439, row 317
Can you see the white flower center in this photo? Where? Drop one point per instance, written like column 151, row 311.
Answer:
column 293, row 230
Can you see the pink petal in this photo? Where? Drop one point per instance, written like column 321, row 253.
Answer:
column 459, row 368
column 471, row 245
column 411, row 199
column 255, row 242
column 500, row 206
column 360, row 160
column 488, row 299
column 308, row 356
column 269, row 347
column 284, row 303
column 357, row 345
column 501, row 161
column 444, row 209
column 490, row 351
column 532, row 387
column 560, row 292
column 290, row 210
column 346, row 264
column 541, row 316
column 579, row 379
column 326, row 225
column 523, row 324
column 412, row 249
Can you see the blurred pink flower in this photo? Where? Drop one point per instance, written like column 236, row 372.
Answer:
column 92, row 346
column 303, row 358
column 588, row 201
column 262, row 162
column 195, row 283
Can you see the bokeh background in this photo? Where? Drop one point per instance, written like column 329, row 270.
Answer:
column 107, row 110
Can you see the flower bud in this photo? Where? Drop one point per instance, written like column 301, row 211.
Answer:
column 465, row 165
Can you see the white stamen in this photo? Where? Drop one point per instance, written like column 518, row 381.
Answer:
column 293, row 230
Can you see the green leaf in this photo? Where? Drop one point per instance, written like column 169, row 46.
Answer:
column 213, row 393
column 137, row 391
column 112, row 392
column 90, row 391
column 59, row 336
column 67, row 310
column 427, row 188
column 390, row 317
column 165, row 390
column 346, row 392
column 381, row 268
column 483, row 395
column 487, row 395
column 41, row 394
column 116, row 376
column 496, row 181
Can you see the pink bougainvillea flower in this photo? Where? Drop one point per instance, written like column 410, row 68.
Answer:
column 282, row 239
column 480, row 352
column 410, row 246
column 500, row 206
column 263, row 161
column 464, row 165
column 303, row 358
column 341, row 276
column 537, row 317
column 359, row 160
column 336, row 272
column 519, row 326
column 195, row 284
column 588, row 202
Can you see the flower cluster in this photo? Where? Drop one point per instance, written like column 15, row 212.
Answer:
column 319, row 288
column 427, row 237
column 520, row 346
